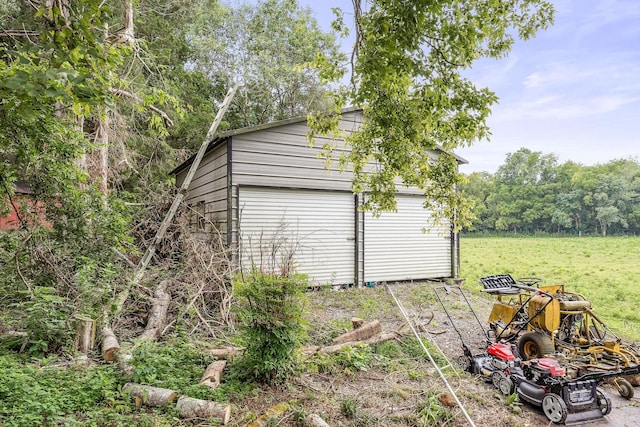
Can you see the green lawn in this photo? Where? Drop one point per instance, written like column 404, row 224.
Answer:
column 605, row 270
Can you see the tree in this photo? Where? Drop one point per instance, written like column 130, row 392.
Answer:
column 268, row 47
column 607, row 215
column 408, row 75
column 478, row 188
column 526, row 185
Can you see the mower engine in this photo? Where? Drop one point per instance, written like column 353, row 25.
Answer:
column 543, row 371
column 496, row 367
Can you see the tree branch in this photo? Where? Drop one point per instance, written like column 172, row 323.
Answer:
column 125, row 94
column 18, row 33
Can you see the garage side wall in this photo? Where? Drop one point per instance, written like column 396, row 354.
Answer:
column 208, row 193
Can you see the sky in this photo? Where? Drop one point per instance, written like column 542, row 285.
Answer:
column 573, row 90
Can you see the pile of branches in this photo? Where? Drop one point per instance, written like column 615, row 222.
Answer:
column 188, row 284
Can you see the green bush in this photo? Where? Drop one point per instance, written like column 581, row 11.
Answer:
column 175, row 364
column 271, row 309
column 46, row 395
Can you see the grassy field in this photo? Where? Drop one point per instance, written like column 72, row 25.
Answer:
column 605, row 270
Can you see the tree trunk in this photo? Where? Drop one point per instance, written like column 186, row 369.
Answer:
column 101, row 155
column 158, row 315
column 148, row 395
column 363, row 332
column 85, row 338
column 189, row 407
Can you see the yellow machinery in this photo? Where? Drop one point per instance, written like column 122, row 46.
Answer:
column 547, row 320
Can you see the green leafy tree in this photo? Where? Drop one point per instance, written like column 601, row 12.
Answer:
column 478, row 188
column 267, row 46
column 56, row 70
column 526, row 186
column 408, row 75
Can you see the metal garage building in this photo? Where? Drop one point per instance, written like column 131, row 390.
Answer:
column 277, row 204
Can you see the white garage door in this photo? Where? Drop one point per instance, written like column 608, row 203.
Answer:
column 395, row 248
column 314, row 230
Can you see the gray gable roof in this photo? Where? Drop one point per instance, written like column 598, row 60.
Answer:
column 223, row 136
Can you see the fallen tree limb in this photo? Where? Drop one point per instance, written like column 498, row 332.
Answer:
column 122, row 297
column 332, row 349
column 148, row 395
column 158, row 314
column 365, row 331
column 189, row 407
column 211, row 376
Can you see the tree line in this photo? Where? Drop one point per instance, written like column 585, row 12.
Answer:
column 532, row 192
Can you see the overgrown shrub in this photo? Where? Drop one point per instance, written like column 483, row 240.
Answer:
column 270, row 308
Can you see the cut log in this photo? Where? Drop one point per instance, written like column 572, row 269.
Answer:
column 85, row 338
column 158, row 314
column 110, row 345
column 363, row 332
column 148, row 395
column 314, row 420
column 357, row 322
column 189, row 407
column 123, row 362
column 226, row 352
column 211, row 376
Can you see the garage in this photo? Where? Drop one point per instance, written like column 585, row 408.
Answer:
column 312, row 228
column 396, row 248
column 275, row 201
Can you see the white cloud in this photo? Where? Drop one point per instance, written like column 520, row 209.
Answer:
column 562, row 108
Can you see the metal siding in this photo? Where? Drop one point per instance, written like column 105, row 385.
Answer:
column 320, row 224
column 209, row 185
column 281, row 157
column 395, row 248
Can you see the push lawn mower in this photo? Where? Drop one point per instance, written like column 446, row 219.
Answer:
column 539, row 381
column 549, row 320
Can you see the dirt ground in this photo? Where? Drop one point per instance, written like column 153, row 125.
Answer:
column 405, row 392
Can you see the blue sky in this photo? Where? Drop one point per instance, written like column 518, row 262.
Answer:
column 574, row 90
